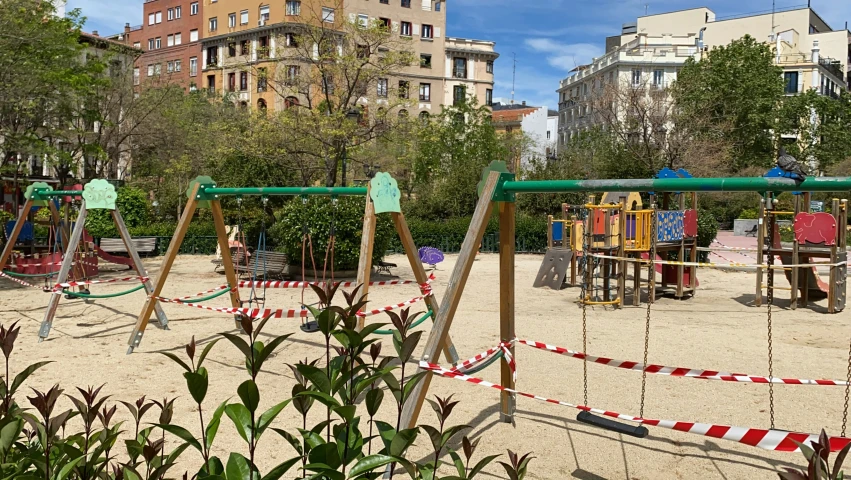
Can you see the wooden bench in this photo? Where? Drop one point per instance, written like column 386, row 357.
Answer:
column 237, row 255
column 142, row 245
column 265, row 264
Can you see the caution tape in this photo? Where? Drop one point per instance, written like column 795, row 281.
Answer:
column 774, row 440
column 248, row 312
column 292, row 284
column 19, row 281
column 217, row 289
column 60, row 286
column 468, row 364
column 679, row 371
column 388, row 308
column 715, row 265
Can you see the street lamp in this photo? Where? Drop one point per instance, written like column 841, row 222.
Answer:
column 352, row 115
column 370, row 170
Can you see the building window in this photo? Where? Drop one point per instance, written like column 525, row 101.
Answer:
column 211, row 84
column 152, row 18
column 406, row 3
column 489, row 98
column 428, row 31
column 261, row 104
column 263, row 47
column 290, row 102
column 159, row 17
column 790, row 79
column 170, row 14
column 406, row 29
column 385, row 2
column 193, row 66
column 291, row 40
column 264, row 14
column 232, row 81
column 178, row 38
column 459, row 94
column 658, row 78
column 243, row 81
column 212, row 56
column 243, row 17
column 231, row 20
column 169, row 66
column 178, row 65
column 404, row 88
column 385, row 23
column 193, row 8
column 232, row 49
column 193, row 35
column 489, row 66
column 327, row 15
column 293, row 7
column 150, row 70
column 437, row 6
column 177, row 12
column 382, row 88
column 151, row 44
column 245, row 47
column 169, row 40
column 292, row 74
column 636, row 78
column 425, row 60
column 459, row 67
column 158, row 69
column 214, row 24
column 425, row 92
column 136, row 76
column 158, row 42
column 137, row 45
column 262, row 80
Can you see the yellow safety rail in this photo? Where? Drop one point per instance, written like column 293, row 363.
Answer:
column 642, row 220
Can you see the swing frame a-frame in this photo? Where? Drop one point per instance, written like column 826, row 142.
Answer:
column 203, row 193
column 40, row 195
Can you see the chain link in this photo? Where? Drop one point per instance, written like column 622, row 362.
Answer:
column 770, row 295
column 586, row 282
column 650, row 294
column 847, row 391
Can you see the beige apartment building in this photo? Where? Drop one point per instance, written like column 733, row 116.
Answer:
column 650, row 52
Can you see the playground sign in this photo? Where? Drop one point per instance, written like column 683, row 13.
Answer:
column 816, row 206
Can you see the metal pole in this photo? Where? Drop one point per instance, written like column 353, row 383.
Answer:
column 734, row 184
column 345, row 154
column 284, row 191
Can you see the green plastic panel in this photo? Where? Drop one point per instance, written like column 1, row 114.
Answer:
column 385, row 193
column 99, row 195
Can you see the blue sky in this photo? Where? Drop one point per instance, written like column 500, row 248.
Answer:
column 548, row 37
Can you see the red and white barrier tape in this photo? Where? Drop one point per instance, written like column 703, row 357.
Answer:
column 388, row 308
column 19, row 281
column 217, row 289
column 679, row 371
column 774, row 440
column 714, row 265
column 288, row 284
column 248, row 312
column 60, row 286
column 472, row 362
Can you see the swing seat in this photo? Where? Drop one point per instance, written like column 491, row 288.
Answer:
column 310, row 327
column 638, row 431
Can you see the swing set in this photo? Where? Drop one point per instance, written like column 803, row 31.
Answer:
column 382, row 196
column 498, row 188
column 76, row 261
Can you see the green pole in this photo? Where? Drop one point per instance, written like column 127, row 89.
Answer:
column 734, row 184
column 46, row 195
column 282, row 191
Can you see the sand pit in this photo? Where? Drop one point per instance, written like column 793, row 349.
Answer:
column 717, row 329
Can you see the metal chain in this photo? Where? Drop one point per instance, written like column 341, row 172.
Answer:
column 586, row 280
column 651, row 290
column 770, row 295
column 847, row 391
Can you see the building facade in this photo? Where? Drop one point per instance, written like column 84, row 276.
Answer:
column 650, row 52
column 531, row 121
column 469, row 70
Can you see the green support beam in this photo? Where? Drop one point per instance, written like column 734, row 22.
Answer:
column 210, row 193
column 735, row 184
column 39, row 194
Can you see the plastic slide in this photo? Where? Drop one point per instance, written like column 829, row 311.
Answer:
column 671, row 269
column 817, row 288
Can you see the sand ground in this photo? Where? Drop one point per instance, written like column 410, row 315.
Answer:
column 717, row 329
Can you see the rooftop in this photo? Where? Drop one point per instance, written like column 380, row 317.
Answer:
column 512, row 114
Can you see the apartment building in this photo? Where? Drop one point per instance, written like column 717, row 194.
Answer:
column 469, row 67
column 170, row 37
column 650, row 52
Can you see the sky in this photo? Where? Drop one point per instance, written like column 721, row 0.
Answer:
column 548, row 37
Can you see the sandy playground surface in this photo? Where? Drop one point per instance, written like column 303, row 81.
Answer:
column 717, row 329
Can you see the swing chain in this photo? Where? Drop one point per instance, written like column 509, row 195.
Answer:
column 847, row 392
column 586, row 280
column 770, row 301
column 650, row 294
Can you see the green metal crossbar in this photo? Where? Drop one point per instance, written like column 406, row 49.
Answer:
column 105, row 295
column 41, row 194
column 209, row 193
column 415, row 324
column 208, row 297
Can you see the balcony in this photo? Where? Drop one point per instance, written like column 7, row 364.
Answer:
column 832, row 66
column 459, row 73
column 213, row 62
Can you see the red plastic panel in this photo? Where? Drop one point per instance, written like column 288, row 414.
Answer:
column 815, row 228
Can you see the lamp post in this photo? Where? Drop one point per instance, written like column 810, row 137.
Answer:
column 352, row 115
column 370, row 170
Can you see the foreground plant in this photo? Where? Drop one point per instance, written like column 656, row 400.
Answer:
column 818, row 466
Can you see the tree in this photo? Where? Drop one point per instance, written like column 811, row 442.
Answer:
column 733, row 93
column 818, row 128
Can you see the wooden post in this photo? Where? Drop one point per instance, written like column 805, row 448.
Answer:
column 367, row 242
column 422, row 277
column 636, row 282
column 795, row 282
column 574, row 229
column 506, row 304
column 67, row 264
column 443, row 320
column 622, row 253
column 606, row 264
column 834, row 270
column 550, row 231
column 16, row 231
column 63, row 231
column 138, row 266
column 692, row 278
column 170, row 255
column 227, row 261
column 760, row 247
column 681, row 256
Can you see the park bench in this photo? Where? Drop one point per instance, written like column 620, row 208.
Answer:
column 384, row 268
column 265, row 264
column 143, row 246
column 237, row 255
column 752, row 232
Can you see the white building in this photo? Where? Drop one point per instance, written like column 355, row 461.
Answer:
column 551, row 145
column 59, row 5
column 651, row 51
column 532, row 121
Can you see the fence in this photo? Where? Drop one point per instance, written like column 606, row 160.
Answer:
column 490, row 243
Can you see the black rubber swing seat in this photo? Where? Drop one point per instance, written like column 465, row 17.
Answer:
column 638, row 431
column 310, row 327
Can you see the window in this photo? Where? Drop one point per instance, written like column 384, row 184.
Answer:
column 263, row 47
column 292, row 74
column 428, row 31
column 136, row 75
column 159, row 17
column 386, row 2
column 382, row 88
column 231, row 20
column 169, row 40
column 170, row 14
column 178, row 38
column 425, row 92
column 459, row 94
column 158, row 42
column 231, row 81
column 264, row 14
column 261, row 80
column 459, row 67
column 169, row 67
column 243, row 17
column 152, row 18
column 327, row 15
column 177, row 12
column 178, row 65
column 290, row 102
column 214, row 24
column 437, row 6
column 193, row 66
column 790, row 79
column 245, row 47
column 211, row 84
column 137, row 45
column 636, row 77
column 328, row 83
column 193, row 35
column 489, row 100
column 385, row 23
column 158, row 69
column 193, row 8
column 243, row 81
column 291, row 40
column 425, row 60
column 658, row 78
column 489, row 66
column 424, row 117
column 261, row 104
column 150, row 70
column 212, row 56
column 406, row 29
column 151, row 44
column 293, row 7
column 406, row 3
column 232, row 49
column 363, row 20
column 404, row 88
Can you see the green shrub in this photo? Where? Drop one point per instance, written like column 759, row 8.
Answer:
column 135, row 210
column 707, row 230
column 316, row 214
column 749, row 214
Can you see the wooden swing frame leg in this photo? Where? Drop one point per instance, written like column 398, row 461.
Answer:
column 16, row 232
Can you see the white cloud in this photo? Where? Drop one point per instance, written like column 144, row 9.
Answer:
column 564, row 56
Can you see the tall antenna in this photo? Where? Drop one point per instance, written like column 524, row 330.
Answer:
column 773, row 5
column 513, row 76
column 646, row 7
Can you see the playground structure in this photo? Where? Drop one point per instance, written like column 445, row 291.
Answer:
column 498, row 189
column 78, row 258
column 619, row 230
column 382, row 196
